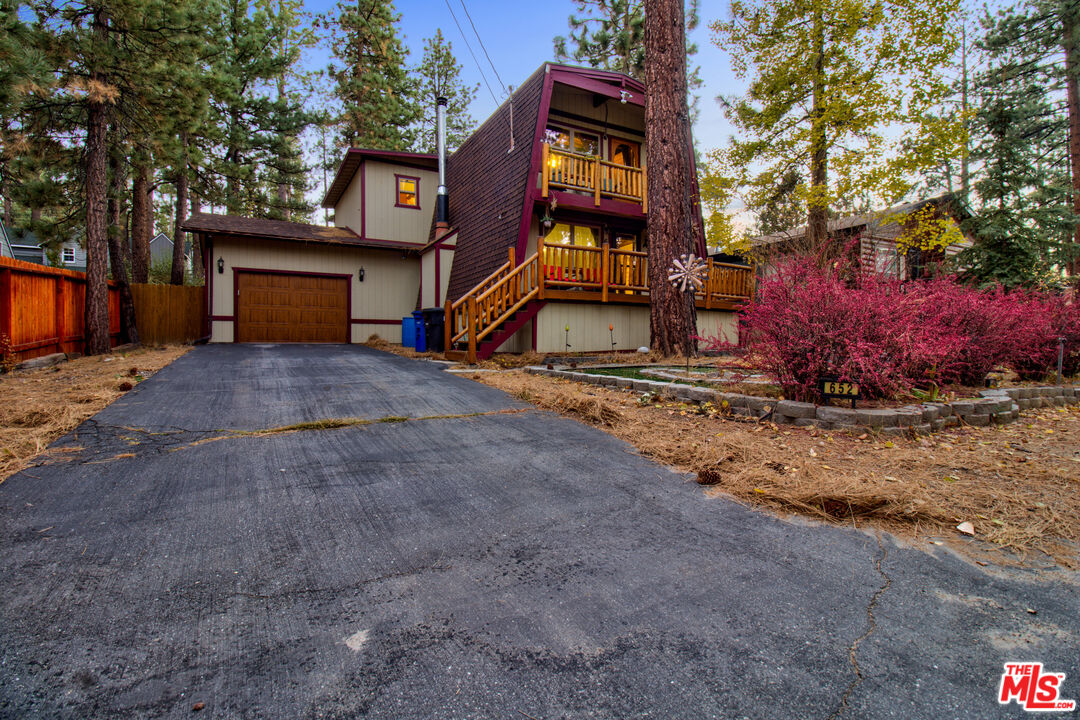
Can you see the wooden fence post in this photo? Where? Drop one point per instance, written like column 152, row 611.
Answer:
column 7, row 304
column 61, row 299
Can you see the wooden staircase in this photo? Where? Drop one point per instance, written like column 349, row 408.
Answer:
column 488, row 315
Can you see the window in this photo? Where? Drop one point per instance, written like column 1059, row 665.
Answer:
column 576, row 141
column 580, row 235
column 408, row 191
column 625, row 152
column 69, row 255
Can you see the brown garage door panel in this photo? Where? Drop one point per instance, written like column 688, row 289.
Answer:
column 272, row 307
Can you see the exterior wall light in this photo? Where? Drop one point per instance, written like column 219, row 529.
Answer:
column 360, row 274
column 221, row 265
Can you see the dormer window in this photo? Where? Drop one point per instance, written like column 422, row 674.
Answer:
column 408, row 191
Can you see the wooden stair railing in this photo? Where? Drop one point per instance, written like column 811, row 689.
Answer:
column 483, row 309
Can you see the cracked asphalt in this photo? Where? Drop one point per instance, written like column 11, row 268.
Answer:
column 510, row 564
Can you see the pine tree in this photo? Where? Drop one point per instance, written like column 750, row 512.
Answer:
column 830, row 83
column 672, row 314
column 610, row 35
column 1024, row 220
column 439, row 75
column 369, row 74
column 286, row 173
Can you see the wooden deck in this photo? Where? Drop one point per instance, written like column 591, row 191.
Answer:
column 602, row 178
column 578, row 274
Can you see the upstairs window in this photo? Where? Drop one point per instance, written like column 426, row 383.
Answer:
column 69, row 255
column 575, row 141
column 580, row 235
column 408, row 191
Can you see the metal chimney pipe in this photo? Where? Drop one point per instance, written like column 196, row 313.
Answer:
column 442, row 198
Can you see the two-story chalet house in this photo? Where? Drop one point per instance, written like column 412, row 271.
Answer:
column 536, row 224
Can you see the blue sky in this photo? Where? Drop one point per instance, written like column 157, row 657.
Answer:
column 518, row 38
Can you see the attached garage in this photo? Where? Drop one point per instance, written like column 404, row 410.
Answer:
column 291, row 307
column 270, row 281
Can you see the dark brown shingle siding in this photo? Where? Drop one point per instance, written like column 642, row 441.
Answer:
column 488, row 187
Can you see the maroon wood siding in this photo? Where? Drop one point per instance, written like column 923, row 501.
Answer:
column 489, row 186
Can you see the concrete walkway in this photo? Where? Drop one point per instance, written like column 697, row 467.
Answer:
column 501, row 563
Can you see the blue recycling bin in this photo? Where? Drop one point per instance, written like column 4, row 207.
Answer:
column 419, row 331
column 408, row 331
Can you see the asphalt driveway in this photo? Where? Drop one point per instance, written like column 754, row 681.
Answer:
column 501, row 562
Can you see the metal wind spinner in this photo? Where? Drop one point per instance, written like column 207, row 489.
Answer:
column 687, row 271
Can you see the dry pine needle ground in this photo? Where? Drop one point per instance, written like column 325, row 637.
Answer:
column 1019, row 484
column 40, row 406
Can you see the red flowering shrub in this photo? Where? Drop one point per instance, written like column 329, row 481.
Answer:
column 808, row 322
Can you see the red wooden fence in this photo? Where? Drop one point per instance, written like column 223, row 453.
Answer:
column 41, row 309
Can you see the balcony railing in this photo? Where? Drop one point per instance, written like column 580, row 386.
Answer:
column 585, row 174
column 615, row 274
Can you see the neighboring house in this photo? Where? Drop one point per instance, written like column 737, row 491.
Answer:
column 161, row 251
column 25, row 245
column 883, row 236
column 539, row 226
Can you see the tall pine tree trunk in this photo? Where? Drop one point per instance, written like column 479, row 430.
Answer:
column 817, row 229
column 197, row 269
column 672, row 317
column 141, row 223
column 118, row 251
column 96, row 305
column 1072, row 72
column 181, row 209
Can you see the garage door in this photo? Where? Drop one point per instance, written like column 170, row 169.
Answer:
column 291, row 308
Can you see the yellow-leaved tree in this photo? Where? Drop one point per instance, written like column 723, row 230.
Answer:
column 834, row 87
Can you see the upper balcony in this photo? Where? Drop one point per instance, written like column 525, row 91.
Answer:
column 586, row 174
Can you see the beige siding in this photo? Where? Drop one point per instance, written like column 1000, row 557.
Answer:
column 445, row 257
column 387, row 222
column 446, row 262
column 349, row 209
column 388, row 291
column 589, row 326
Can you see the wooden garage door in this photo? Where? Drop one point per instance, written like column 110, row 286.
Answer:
column 291, row 308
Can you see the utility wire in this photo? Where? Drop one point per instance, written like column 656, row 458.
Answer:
column 477, row 62
column 481, row 41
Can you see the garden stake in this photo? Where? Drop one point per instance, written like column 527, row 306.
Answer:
column 611, row 330
column 567, row 340
column 1061, row 357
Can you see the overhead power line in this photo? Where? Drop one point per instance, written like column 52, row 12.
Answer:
column 475, row 61
column 481, row 41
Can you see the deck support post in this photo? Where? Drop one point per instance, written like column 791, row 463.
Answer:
column 709, row 284
column 644, row 189
column 545, row 171
column 472, row 319
column 448, row 326
column 605, row 270
column 596, row 180
column 541, row 268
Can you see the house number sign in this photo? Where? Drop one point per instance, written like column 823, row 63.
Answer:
column 834, row 387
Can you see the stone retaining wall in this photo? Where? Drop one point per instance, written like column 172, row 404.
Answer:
column 995, row 406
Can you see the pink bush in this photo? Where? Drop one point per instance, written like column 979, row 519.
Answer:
column 807, row 322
